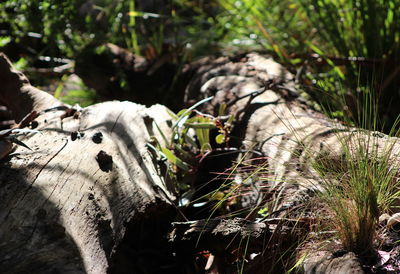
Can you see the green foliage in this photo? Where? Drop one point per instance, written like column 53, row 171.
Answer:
column 278, row 26
column 84, row 97
column 190, row 140
column 4, row 40
column 80, row 94
column 133, row 43
column 66, row 27
column 21, row 64
column 359, row 28
column 341, row 48
column 165, row 32
column 365, row 36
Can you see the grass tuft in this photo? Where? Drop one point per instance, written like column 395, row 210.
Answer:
column 360, row 184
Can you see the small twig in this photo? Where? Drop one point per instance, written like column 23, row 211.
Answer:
column 300, row 72
column 62, row 107
column 234, row 150
column 252, row 95
column 280, row 220
column 174, row 205
column 269, row 138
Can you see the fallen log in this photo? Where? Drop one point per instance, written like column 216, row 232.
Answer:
column 66, row 202
column 292, row 140
column 273, row 118
column 88, row 179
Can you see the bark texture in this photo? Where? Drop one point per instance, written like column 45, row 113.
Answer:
column 18, row 95
column 273, row 118
column 290, row 138
column 65, row 204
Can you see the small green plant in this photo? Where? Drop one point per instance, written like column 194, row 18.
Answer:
column 352, row 196
column 190, row 140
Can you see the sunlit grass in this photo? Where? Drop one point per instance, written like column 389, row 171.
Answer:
column 362, row 183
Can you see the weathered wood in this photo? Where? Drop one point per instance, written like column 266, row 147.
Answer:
column 65, row 204
column 324, row 262
column 18, row 95
column 274, row 119
column 217, row 235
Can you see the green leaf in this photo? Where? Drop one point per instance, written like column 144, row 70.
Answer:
column 203, row 135
column 4, row 40
column 181, row 121
column 329, row 61
column 222, row 108
column 231, row 119
column 220, row 139
column 143, row 14
column 218, row 196
column 21, row 64
column 174, row 160
column 153, row 148
column 79, row 93
column 200, row 125
column 190, row 141
column 315, row 49
column 172, row 114
column 182, row 151
column 161, row 133
column 57, row 93
column 206, row 147
column 263, row 212
column 181, row 112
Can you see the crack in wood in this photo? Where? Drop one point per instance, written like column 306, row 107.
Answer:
column 34, row 180
column 116, row 120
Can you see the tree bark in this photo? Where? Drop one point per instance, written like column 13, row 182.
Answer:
column 273, row 118
column 65, row 204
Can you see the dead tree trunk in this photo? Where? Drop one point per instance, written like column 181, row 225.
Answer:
column 274, row 119
column 65, row 205
column 66, row 202
column 290, row 138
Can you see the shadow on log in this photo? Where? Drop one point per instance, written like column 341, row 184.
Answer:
column 61, row 210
